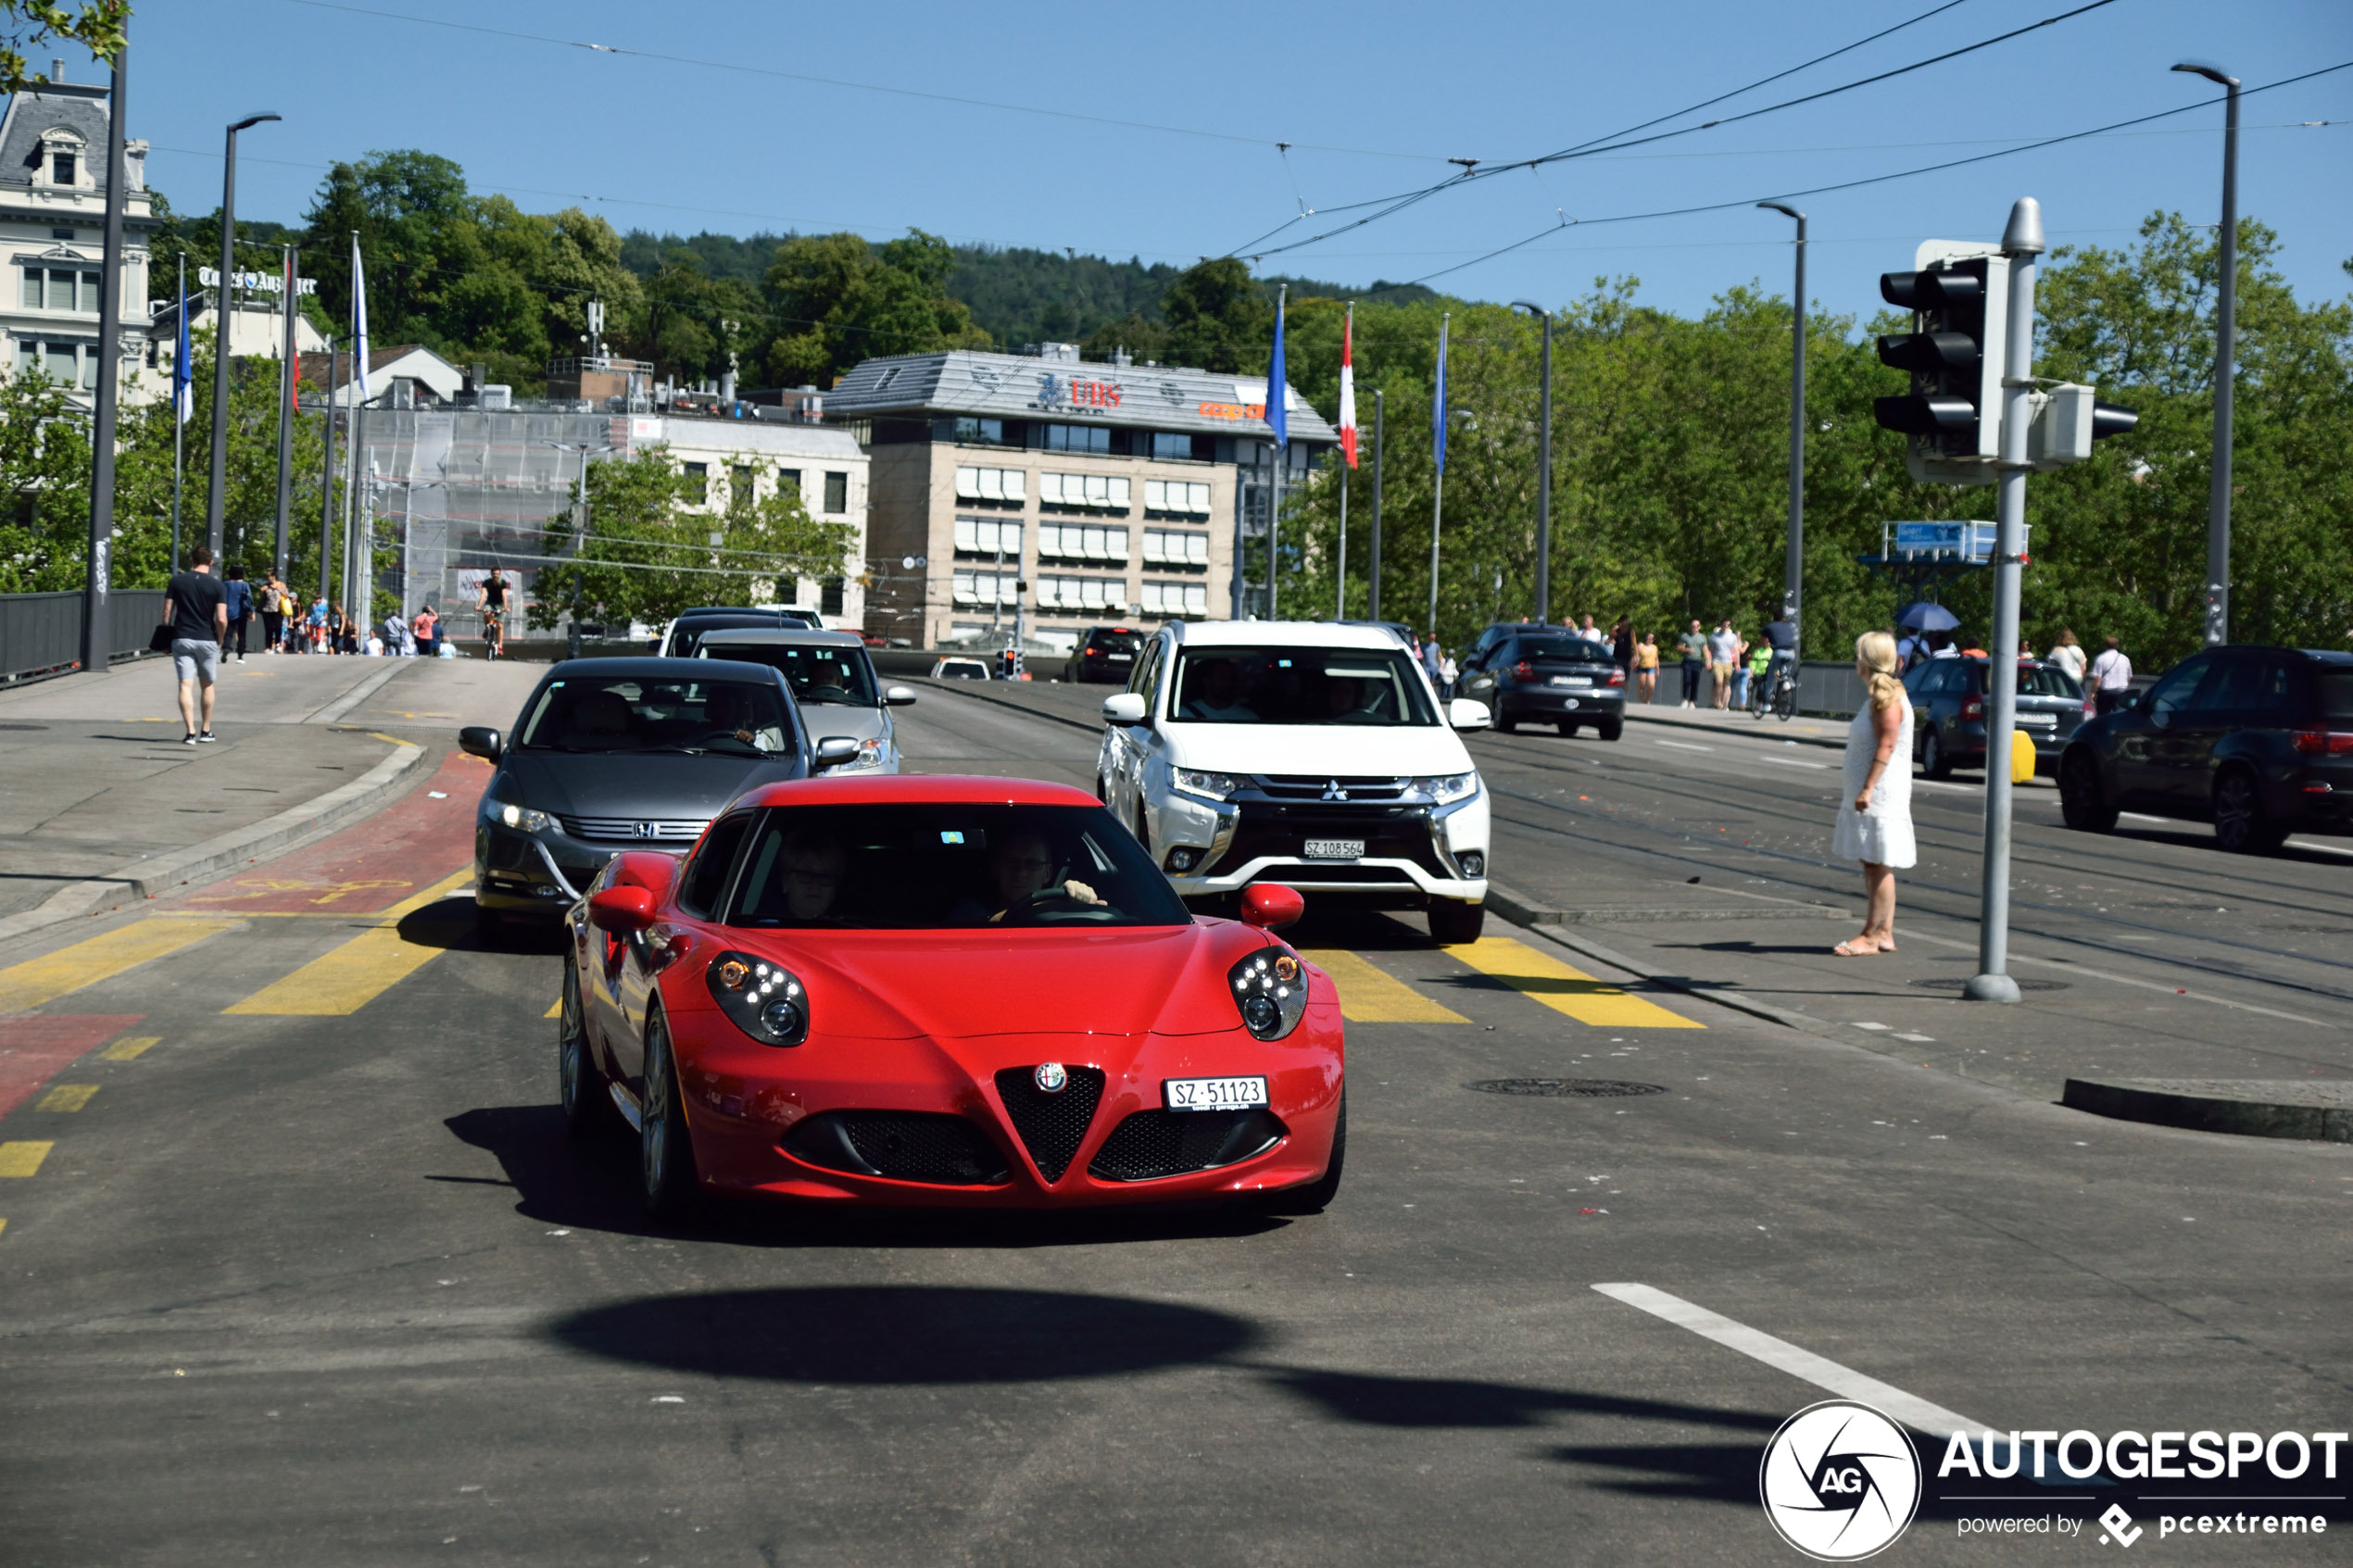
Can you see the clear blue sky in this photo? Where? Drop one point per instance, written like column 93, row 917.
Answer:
column 669, row 145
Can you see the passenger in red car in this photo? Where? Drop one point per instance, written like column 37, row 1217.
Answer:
column 811, row 869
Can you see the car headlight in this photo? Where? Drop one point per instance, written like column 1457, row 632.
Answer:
column 764, row 999
column 1209, row 786
column 1449, row 787
column 523, row 819
column 1270, row 990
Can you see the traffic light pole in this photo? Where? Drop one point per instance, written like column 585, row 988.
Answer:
column 2021, row 243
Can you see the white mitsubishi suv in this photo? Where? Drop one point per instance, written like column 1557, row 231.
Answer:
column 1301, row 752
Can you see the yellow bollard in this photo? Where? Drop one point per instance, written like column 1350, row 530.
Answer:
column 2022, row 758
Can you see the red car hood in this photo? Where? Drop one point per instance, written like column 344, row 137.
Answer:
column 963, row 984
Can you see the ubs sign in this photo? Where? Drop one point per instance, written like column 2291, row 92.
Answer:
column 1070, row 392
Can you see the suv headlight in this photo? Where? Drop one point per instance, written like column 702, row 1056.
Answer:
column 764, row 999
column 1208, row 786
column 1449, row 787
column 1270, row 990
column 523, row 819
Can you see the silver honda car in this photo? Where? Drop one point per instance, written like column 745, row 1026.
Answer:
column 614, row 754
column 832, row 679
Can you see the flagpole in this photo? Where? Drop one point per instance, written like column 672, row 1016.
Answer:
column 289, row 381
column 1438, row 491
column 1348, row 343
column 327, row 478
column 182, row 374
column 1277, row 415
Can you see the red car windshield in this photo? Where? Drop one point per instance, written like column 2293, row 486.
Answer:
column 942, row 867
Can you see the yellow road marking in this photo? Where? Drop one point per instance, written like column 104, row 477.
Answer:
column 1564, row 989
column 555, row 1009
column 125, row 1051
column 31, row 983
column 23, row 1158
column 66, row 1097
column 4, row 1225
column 1368, row 995
column 379, row 735
column 349, row 977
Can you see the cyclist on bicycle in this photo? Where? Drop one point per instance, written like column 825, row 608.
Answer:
column 1780, row 635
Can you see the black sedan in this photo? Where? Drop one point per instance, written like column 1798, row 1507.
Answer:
column 1547, row 675
column 1105, row 653
column 614, row 754
column 1949, row 712
column 2257, row 740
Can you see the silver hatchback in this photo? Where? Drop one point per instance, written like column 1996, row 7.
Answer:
column 832, row 679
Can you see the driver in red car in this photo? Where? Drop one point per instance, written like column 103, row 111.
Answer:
column 1022, row 866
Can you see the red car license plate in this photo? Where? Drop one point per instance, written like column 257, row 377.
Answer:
column 1213, row 1093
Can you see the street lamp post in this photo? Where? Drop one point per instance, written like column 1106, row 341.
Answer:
column 579, row 532
column 287, row 409
column 1543, row 471
column 95, row 633
column 1794, row 563
column 217, row 501
column 2218, row 504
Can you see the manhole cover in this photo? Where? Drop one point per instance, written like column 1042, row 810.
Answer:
column 23, row 726
column 1954, row 983
column 1565, row 1088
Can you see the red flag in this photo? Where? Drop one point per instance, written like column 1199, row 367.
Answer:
column 1348, row 388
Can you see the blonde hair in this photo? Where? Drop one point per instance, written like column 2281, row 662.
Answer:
column 1875, row 655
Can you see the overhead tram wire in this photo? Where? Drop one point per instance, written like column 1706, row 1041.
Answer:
column 1878, row 179
column 1620, row 143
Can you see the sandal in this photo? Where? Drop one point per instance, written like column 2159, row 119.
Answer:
column 1853, row 948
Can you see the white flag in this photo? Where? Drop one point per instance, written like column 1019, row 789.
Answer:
column 360, row 314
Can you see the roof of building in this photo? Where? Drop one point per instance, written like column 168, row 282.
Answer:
column 33, row 113
column 1078, row 392
column 383, row 364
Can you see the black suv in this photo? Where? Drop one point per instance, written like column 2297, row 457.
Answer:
column 2257, row 740
column 1546, row 676
column 1105, row 653
column 1949, row 712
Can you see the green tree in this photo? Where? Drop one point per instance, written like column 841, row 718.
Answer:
column 834, row 300
column 33, row 25
column 44, row 488
column 1218, row 318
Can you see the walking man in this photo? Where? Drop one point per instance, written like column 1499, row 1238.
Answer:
column 1693, row 645
column 240, row 593
column 196, row 608
column 2111, row 679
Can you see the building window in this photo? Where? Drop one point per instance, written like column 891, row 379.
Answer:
column 66, row 291
column 1176, row 598
column 1075, row 438
column 987, row 536
column 1172, row 443
column 1071, row 541
column 829, row 596
column 68, row 364
column 1082, row 593
column 1186, row 496
column 984, row 587
column 698, row 483
column 1097, row 491
column 740, row 485
column 986, row 433
column 986, row 485
column 61, row 169
column 1175, row 548
column 32, row 296
column 788, row 482
column 836, row 493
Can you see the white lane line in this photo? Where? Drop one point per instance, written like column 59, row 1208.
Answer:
column 2323, row 848
column 1805, row 1365
column 1793, row 762
column 1682, row 746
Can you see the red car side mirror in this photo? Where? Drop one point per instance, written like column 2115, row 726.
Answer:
column 649, row 869
column 1270, row 906
column 621, row 910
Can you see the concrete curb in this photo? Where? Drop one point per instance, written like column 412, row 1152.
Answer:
column 1545, row 922
column 141, row 880
column 2254, row 1108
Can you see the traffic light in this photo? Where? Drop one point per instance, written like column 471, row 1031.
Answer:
column 2068, row 419
column 1959, row 300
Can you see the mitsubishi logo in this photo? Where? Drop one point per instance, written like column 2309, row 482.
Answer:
column 1333, row 791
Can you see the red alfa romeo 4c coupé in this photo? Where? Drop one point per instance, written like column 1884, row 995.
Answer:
column 945, row 991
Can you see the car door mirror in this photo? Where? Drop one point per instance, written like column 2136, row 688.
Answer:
column 1128, row 708
column 834, row 750
column 621, row 910
column 1270, row 906
column 899, row 697
column 1464, row 714
column 479, row 740
column 648, row 869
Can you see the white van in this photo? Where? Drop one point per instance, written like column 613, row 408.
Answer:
column 1301, row 752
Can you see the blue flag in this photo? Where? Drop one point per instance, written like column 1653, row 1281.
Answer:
column 1277, row 387
column 1437, row 402
column 184, row 372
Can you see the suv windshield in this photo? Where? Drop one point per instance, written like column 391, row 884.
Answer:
column 817, row 674
column 922, row 867
column 1298, row 685
column 637, row 713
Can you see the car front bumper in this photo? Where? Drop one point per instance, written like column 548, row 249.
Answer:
column 1413, row 851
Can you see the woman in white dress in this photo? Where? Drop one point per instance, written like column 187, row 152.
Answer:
column 1875, row 813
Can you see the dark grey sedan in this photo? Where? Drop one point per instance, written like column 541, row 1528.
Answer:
column 1949, row 712
column 614, row 754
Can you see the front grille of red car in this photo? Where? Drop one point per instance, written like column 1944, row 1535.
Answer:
column 1052, row 1126
column 905, row 1145
column 1174, row 1143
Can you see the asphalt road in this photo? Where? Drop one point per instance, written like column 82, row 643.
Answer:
column 332, row 1287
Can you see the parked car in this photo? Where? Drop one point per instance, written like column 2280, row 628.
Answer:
column 975, row 993
column 828, row 671
column 1949, row 712
column 684, row 634
column 1104, row 653
column 1546, row 676
column 2257, row 740
column 1301, row 752
column 614, row 754
column 956, row 667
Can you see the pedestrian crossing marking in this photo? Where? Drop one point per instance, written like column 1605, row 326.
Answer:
column 65, row 1097
column 347, row 978
column 39, row 980
column 1566, row 990
column 1369, row 995
column 23, row 1157
column 127, row 1050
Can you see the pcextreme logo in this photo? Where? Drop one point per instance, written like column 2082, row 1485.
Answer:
column 1840, row 1481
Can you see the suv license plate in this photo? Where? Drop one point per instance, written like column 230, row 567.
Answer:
column 1572, row 680
column 1335, row 848
column 1213, row 1093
